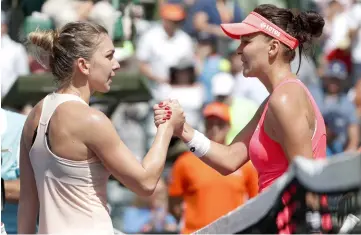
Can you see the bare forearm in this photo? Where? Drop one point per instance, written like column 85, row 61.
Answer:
column 12, row 190
column 225, row 159
column 27, row 216
column 154, row 161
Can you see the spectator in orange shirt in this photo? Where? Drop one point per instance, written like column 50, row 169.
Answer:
column 203, row 193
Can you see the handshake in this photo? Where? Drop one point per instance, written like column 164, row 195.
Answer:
column 170, row 112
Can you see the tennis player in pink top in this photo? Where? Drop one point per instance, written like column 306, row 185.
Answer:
column 288, row 123
column 68, row 149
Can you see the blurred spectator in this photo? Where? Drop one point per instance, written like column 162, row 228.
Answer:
column 150, row 214
column 330, row 10
column 337, row 31
column 207, row 15
column 134, row 21
column 13, row 57
column 160, row 48
column 248, row 6
column 11, row 129
column 189, row 93
column 65, row 11
column 357, row 97
column 336, row 125
column 198, row 193
column 209, row 62
column 241, row 108
column 185, row 3
column 345, row 34
column 307, row 73
column 336, row 101
column 163, row 46
column 128, row 119
column 250, row 88
column 353, row 25
column 323, row 4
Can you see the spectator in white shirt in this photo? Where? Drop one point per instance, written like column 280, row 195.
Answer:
column 159, row 49
column 189, row 93
column 13, row 59
column 162, row 46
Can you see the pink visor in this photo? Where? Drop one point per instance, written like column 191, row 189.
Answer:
column 254, row 23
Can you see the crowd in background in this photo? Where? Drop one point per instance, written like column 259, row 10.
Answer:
column 184, row 55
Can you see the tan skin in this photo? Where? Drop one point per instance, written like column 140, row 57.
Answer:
column 78, row 132
column 12, row 190
column 290, row 119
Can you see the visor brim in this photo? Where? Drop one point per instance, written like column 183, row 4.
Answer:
column 236, row 30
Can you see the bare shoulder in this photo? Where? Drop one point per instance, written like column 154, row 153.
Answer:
column 289, row 96
column 80, row 116
column 31, row 124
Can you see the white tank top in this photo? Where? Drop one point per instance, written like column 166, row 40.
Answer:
column 72, row 194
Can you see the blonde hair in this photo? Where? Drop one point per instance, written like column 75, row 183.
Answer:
column 58, row 49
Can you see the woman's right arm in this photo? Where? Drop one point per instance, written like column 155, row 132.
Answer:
column 104, row 141
column 226, row 159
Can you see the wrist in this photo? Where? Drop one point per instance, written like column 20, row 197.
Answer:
column 187, row 133
column 166, row 127
column 199, row 145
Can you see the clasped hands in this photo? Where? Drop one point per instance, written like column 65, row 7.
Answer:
column 171, row 112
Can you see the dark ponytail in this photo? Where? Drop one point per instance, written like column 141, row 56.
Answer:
column 304, row 26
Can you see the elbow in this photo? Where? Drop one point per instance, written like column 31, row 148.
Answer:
column 224, row 170
column 146, row 189
column 229, row 168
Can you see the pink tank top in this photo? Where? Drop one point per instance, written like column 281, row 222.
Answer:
column 268, row 156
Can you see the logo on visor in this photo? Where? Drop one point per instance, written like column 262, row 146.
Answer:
column 270, row 29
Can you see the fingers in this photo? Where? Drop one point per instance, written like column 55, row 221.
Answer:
column 159, row 122
column 162, row 112
column 161, row 118
column 166, row 104
column 161, row 115
column 162, row 104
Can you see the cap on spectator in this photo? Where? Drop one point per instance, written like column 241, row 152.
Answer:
column 337, row 122
column 173, row 12
column 222, row 84
column 219, row 110
column 337, row 69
